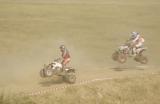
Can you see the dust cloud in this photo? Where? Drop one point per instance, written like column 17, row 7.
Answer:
column 20, row 66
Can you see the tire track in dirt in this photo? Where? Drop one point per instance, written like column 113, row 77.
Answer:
column 53, row 89
column 39, row 91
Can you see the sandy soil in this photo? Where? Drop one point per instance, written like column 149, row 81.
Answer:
column 30, row 34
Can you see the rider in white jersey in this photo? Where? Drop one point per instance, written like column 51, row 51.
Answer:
column 137, row 41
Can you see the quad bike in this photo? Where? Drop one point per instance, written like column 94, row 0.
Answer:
column 55, row 68
column 126, row 51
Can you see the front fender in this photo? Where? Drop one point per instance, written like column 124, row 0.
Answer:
column 70, row 69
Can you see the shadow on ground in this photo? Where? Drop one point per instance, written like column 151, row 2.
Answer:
column 122, row 68
column 51, row 81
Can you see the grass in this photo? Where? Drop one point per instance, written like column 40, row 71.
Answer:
column 91, row 25
column 139, row 90
column 31, row 31
column 90, row 30
column 85, row 28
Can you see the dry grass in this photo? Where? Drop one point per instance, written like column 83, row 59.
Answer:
column 140, row 90
column 31, row 31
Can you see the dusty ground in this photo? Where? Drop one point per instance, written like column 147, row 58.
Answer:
column 30, row 33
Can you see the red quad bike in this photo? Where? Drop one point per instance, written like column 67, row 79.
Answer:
column 125, row 51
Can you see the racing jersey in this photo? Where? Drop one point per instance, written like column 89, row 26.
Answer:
column 65, row 54
column 138, row 39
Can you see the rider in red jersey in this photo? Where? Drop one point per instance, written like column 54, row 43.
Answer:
column 65, row 55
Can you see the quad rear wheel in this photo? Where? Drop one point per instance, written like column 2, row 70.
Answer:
column 122, row 58
column 48, row 72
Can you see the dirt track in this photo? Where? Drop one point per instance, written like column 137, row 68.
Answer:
column 30, row 34
column 48, row 85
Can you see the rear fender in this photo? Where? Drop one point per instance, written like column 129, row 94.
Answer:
column 142, row 50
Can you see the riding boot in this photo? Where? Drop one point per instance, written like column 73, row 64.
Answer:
column 134, row 51
column 63, row 67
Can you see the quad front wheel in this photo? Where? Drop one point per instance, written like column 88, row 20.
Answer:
column 70, row 77
column 142, row 59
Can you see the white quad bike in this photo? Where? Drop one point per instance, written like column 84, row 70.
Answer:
column 55, row 68
column 126, row 50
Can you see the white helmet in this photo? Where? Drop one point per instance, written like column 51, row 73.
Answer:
column 62, row 47
column 134, row 35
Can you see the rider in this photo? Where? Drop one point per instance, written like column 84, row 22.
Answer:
column 65, row 56
column 137, row 42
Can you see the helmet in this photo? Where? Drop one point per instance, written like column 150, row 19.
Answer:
column 134, row 35
column 62, row 47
